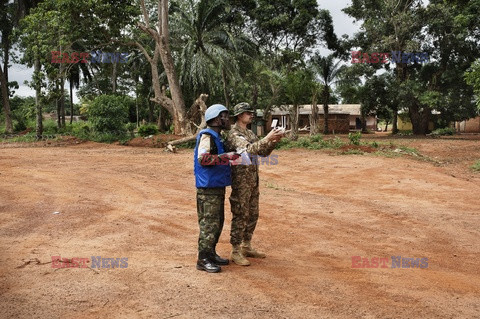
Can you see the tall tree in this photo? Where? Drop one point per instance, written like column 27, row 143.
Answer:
column 159, row 32
column 327, row 71
column 66, row 26
column 10, row 14
column 298, row 86
column 446, row 30
column 209, row 49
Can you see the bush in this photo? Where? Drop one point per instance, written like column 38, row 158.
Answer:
column 443, row 131
column 131, row 128
column 50, row 127
column 147, row 129
column 355, row 138
column 316, row 138
column 19, row 126
column 303, row 142
column 81, row 130
column 108, row 114
column 476, row 166
column 284, row 143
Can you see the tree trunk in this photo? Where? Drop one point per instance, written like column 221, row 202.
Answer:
column 114, row 77
column 179, row 120
column 150, row 109
column 363, row 118
column 176, row 105
column 4, row 82
column 225, row 88
column 57, row 104
column 38, row 104
column 386, row 126
column 161, row 120
column 62, row 99
column 294, row 122
column 6, row 101
column 395, row 121
column 419, row 119
column 314, row 115
column 326, row 97
column 364, row 124
column 71, row 101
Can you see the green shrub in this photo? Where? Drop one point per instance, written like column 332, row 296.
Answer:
column 81, row 130
column 476, row 166
column 50, row 127
column 316, row 138
column 303, row 142
column 131, row 128
column 108, row 114
column 443, row 131
column 284, row 143
column 147, row 130
column 19, row 126
column 355, row 138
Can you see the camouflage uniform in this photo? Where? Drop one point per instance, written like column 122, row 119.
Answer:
column 210, row 210
column 210, row 203
column 245, row 190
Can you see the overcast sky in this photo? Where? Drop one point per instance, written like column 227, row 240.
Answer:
column 342, row 24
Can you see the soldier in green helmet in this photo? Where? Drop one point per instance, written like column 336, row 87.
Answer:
column 245, row 189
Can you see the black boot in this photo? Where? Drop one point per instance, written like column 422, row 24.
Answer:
column 219, row 260
column 205, row 263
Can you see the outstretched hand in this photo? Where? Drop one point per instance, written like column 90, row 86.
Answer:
column 275, row 135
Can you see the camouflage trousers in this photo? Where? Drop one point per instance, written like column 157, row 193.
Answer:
column 211, row 215
column 244, row 205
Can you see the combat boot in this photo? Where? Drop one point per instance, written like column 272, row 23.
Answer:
column 217, row 260
column 238, row 257
column 248, row 251
column 205, row 263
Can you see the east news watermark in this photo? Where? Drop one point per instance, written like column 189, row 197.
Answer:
column 88, row 57
column 97, row 262
column 244, row 159
column 384, row 262
column 392, row 57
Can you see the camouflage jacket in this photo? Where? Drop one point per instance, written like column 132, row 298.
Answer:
column 239, row 139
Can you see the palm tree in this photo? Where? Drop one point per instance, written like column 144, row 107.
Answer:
column 208, row 50
column 327, row 71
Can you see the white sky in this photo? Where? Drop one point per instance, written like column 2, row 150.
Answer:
column 342, row 24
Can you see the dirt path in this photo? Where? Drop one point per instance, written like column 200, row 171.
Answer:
column 317, row 211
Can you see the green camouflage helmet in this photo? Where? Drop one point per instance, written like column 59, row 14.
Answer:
column 242, row 107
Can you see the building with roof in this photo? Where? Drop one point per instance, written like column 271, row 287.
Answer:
column 342, row 118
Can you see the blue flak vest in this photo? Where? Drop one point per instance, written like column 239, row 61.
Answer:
column 211, row 175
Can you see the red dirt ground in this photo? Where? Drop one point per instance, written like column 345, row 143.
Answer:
column 318, row 209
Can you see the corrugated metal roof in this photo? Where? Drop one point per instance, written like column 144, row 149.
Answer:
column 351, row 109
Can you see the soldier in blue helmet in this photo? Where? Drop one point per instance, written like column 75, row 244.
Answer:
column 212, row 175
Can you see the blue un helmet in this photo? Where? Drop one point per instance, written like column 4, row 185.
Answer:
column 213, row 111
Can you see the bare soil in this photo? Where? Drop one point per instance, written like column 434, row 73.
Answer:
column 318, row 209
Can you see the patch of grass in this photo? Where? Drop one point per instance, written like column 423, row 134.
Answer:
column 272, row 185
column 405, row 133
column 284, row 144
column 409, row 150
column 386, row 153
column 443, row 131
column 476, row 166
column 316, row 138
column 315, row 142
column 353, row 152
column 187, row 145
